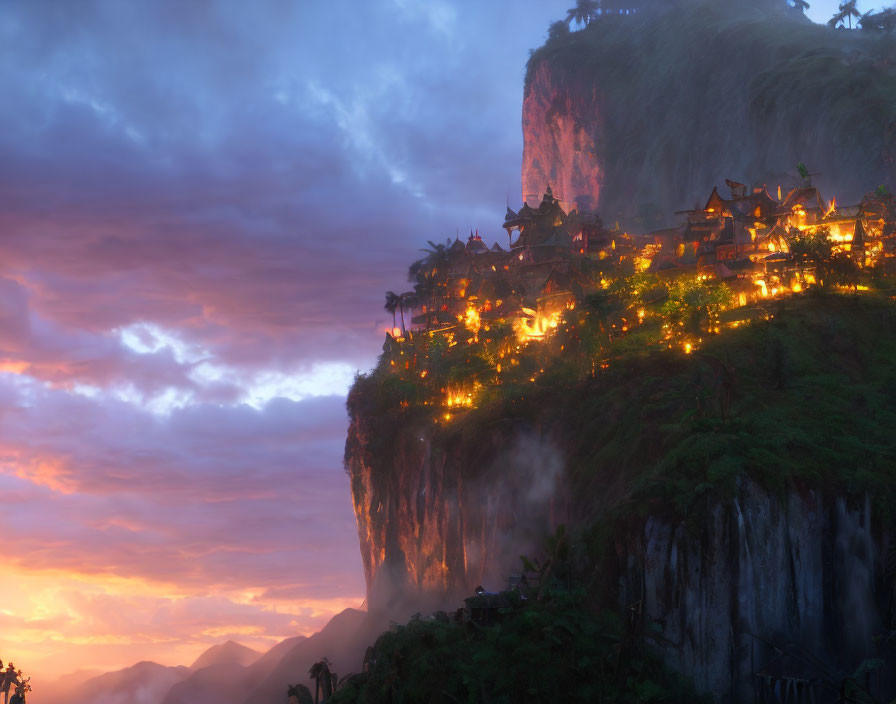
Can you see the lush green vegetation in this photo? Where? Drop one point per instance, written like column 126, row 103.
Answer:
column 802, row 395
column 556, row 651
column 541, row 644
column 805, row 392
column 662, row 395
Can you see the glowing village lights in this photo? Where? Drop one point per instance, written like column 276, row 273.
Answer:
column 535, row 325
column 755, row 264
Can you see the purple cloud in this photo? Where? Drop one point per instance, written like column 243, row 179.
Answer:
column 200, row 209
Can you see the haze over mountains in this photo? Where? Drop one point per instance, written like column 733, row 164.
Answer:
column 229, row 652
column 639, row 156
column 228, row 673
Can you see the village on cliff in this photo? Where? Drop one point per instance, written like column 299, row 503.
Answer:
column 720, row 267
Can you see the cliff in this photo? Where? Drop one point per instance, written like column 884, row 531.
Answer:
column 635, row 115
column 732, row 518
column 800, row 573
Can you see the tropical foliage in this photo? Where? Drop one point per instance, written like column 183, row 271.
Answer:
column 546, row 646
column 846, row 12
column 804, row 392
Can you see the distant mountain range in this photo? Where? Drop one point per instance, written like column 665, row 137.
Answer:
column 229, row 653
column 228, row 673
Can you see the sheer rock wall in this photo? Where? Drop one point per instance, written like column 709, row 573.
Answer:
column 640, row 116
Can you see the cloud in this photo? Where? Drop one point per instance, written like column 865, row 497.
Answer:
column 170, row 531
column 200, row 209
column 270, row 182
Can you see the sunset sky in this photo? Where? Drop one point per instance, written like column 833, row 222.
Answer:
column 201, row 205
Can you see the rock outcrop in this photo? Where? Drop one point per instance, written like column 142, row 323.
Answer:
column 640, row 116
column 441, row 520
column 800, row 574
column 804, row 572
column 727, row 545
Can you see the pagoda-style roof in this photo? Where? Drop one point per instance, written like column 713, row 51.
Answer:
column 497, row 248
column 525, row 217
column 759, row 204
column 806, row 196
column 715, row 203
column 475, row 245
column 550, row 206
column 548, row 213
column 457, row 246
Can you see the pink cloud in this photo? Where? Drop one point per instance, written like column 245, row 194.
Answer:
column 221, row 175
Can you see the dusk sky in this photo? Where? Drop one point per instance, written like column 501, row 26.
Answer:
column 201, row 205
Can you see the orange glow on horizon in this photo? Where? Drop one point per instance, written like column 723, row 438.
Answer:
column 60, row 621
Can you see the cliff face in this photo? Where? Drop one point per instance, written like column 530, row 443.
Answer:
column 642, row 115
column 436, row 521
column 560, row 135
column 802, row 573
column 727, row 539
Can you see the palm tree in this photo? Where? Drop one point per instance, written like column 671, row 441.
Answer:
column 406, row 300
column 301, row 693
column 558, row 30
column 583, row 12
column 431, row 273
column 849, row 8
column 847, row 12
column 323, row 680
column 392, row 303
column 437, row 256
column 837, row 19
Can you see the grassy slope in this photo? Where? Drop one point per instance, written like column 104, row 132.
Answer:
column 813, row 399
